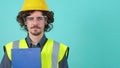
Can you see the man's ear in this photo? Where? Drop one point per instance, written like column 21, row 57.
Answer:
column 46, row 23
column 25, row 23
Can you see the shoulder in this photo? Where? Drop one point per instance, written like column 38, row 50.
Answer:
column 61, row 44
column 10, row 44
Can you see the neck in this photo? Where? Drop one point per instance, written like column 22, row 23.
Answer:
column 35, row 39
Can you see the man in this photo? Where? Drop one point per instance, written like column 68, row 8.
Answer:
column 36, row 19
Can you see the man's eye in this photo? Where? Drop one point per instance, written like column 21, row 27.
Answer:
column 40, row 18
column 30, row 18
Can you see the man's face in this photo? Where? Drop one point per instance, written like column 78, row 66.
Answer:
column 35, row 23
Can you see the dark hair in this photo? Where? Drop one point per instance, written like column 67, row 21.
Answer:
column 21, row 18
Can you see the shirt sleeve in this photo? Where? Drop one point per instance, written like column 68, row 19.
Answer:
column 64, row 63
column 0, row 65
column 5, row 63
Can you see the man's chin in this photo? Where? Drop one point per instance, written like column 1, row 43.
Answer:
column 35, row 33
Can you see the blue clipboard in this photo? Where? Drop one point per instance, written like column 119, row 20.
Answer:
column 26, row 58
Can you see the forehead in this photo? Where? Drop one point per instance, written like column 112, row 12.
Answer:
column 36, row 13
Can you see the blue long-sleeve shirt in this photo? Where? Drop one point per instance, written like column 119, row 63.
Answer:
column 6, row 63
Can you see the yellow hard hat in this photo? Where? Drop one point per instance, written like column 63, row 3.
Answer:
column 35, row 5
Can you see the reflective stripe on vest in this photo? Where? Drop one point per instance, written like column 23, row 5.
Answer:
column 56, row 47
column 16, row 44
column 55, row 51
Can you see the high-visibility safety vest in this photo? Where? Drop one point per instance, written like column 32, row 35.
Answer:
column 51, row 54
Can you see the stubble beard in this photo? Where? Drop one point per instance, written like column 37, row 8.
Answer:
column 36, row 33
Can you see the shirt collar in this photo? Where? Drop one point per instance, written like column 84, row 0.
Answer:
column 40, row 43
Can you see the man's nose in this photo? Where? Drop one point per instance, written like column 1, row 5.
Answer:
column 35, row 21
